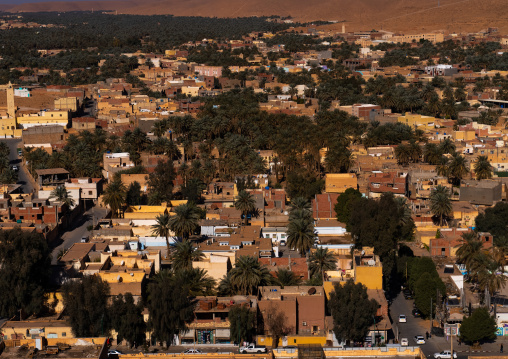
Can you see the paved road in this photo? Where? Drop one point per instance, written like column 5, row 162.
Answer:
column 79, row 230
column 14, row 159
column 418, row 326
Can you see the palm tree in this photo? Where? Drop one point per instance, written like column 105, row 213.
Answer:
column 199, row 282
column 162, row 229
column 61, row 194
column 458, row 168
column 320, row 261
column 403, row 154
column 245, row 203
column 482, row 168
column 490, row 277
column 300, row 207
column 185, row 220
column 469, row 252
column 248, row 274
column 447, row 146
column 415, row 151
column 440, row 203
column 432, row 153
column 442, row 167
column 226, row 287
column 301, row 234
column 114, row 196
column 184, row 254
column 159, row 128
column 286, row 278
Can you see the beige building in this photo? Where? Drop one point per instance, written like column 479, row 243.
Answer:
column 340, row 182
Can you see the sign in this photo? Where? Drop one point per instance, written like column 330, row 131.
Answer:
column 451, row 329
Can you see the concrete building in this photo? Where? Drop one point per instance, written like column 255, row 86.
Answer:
column 484, row 192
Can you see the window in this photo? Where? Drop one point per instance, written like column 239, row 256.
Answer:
column 304, row 324
column 90, row 193
column 315, row 328
column 64, row 334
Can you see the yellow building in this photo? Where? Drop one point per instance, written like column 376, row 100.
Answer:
column 340, row 182
column 31, row 329
column 150, row 212
column 416, row 120
column 463, row 135
column 56, row 117
column 67, row 103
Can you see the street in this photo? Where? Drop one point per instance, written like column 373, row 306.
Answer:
column 79, row 230
column 417, row 326
column 23, row 176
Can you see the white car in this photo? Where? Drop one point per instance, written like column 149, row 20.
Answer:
column 113, row 353
column 192, row 351
column 402, row 318
column 445, row 354
column 419, row 339
column 404, row 342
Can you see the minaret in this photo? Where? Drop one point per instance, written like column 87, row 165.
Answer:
column 11, row 109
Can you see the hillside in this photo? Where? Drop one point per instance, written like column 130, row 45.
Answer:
column 394, row 15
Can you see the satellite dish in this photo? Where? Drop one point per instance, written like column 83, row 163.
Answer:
column 312, row 291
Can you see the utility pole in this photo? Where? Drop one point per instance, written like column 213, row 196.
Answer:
column 430, row 332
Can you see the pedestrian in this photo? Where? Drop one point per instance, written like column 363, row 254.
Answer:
column 427, row 335
column 460, row 342
column 501, row 348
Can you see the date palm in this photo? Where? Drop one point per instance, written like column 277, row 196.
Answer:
column 403, row 154
column 245, row 203
column 301, row 234
column 440, row 203
column 447, row 146
column 286, row 278
column 458, row 168
column 114, row 196
column 491, row 277
column 320, row 261
column 432, row 154
column 162, row 228
column 184, row 254
column 482, row 168
column 470, row 252
column 185, row 220
column 199, row 282
column 248, row 274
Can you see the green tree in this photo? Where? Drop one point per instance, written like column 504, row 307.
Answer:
column 482, row 168
column 127, row 319
column 162, row 228
column 170, row 307
column 24, row 272
column 86, row 303
column 470, row 252
column 184, row 254
column 133, row 196
column 457, row 168
column 114, row 196
column 248, row 274
column 242, row 321
column 403, row 154
column 426, row 288
column 447, row 146
column 320, row 261
column 185, row 220
column 61, row 194
column 352, row 311
column 197, row 280
column 440, row 203
column 245, row 203
column 479, row 327
column 285, row 278
column 160, row 183
column 344, row 204
column 432, row 154
column 493, row 220
column 301, row 234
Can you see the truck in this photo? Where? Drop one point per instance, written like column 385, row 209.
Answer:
column 445, row 354
column 253, row 348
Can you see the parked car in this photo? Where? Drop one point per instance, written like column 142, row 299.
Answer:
column 15, row 168
column 416, row 313
column 402, row 318
column 253, row 348
column 445, row 354
column 408, row 294
column 113, row 354
column 419, row 339
column 84, row 239
column 404, row 342
column 192, row 351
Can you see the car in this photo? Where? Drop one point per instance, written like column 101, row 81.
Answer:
column 15, row 168
column 445, row 354
column 113, row 353
column 402, row 318
column 404, row 342
column 192, row 351
column 20, row 152
column 408, row 294
column 84, row 239
column 416, row 313
column 419, row 339
column 252, row 348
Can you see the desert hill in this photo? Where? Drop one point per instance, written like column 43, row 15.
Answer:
column 394, row 15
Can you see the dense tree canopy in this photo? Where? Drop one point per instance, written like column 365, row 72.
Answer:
column 24, row 272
